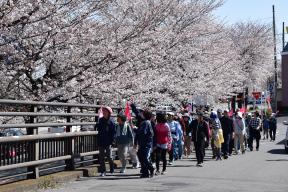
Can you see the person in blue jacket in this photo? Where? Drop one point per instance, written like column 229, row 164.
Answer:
column 175, row 130
column 105, row 138
column 144, row 140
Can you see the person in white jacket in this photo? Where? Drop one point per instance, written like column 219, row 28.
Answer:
column 239, row 132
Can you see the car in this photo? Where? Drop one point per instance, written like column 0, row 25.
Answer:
column 286, row 137
column 63, row 129
column 11, row 132
column 58, row 129
column 11, row 152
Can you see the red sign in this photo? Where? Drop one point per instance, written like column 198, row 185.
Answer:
column 256, row 95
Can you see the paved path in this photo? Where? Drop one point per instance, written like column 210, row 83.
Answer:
column 265, row 171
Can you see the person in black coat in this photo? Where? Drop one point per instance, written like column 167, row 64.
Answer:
column 144, row 140
column 227, row 127
column 200, row 136
column 272, row 127
column 105, row 138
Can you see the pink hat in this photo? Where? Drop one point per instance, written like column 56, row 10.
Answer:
column 108, row 109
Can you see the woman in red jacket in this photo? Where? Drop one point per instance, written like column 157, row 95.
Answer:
column 163, row 141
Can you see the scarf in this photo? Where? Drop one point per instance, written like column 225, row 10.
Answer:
column 124, row 130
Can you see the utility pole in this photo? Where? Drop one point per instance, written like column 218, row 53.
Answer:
column 283, row 35
column 275, row 62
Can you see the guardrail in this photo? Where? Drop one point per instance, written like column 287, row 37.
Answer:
column 34, row 150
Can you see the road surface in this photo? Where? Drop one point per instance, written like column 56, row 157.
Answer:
column 258, row 171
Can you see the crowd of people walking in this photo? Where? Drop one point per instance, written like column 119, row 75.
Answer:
column 150, row 137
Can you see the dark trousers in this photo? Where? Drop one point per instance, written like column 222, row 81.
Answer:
column 161, row 155
column 105, row 152
column 272, row 133
column 254, row 134
column 144, row 158
column 199, row 149
column 153, row 156
column 226, row 145
column 231, row 145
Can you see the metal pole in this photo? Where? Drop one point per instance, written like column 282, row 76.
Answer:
column 275, row 61
column 35, row 155
column 283, row 35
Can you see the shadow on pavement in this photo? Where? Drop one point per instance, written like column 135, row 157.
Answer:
column 281, row 142
column 111, row 177
column 277, row 160
column 176, row 166
column 277, row 151
column 117, row 178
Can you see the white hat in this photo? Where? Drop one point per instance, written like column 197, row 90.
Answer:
column 186, row 115
column 170, row 113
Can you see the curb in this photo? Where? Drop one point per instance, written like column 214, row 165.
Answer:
column 53, row 180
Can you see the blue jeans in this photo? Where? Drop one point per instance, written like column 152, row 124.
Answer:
column 144, row 158
column 180, row 148
column 173, row 153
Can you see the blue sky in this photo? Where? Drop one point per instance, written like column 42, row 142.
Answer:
column 255, row 10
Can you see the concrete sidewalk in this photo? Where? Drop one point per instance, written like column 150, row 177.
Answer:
column 257, row 171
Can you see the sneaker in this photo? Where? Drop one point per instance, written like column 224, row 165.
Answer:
column 134, row 165
column 199, row 165
column 170, row 163
column 257, row 149
column 102, row 174
column 163, row 172
column 122, row 170
column 218, row 158
column 157, row 173
column 225, row 156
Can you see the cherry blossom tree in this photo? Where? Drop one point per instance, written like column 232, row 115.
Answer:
column 154, row 50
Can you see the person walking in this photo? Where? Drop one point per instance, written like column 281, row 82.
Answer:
column 272, row 127
column 200, row 136
column 265, row 127
column 105, row 138
column 133, row 152
column 247, row 122
column 163, row 140
column 239, row 132
column 217, row 135
column 124, row 137
column 153, row 150
column 187, row 134
column 180, row 142
column 254, row 131
column 174, row 129
column 227, row 127
column 144, row 140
